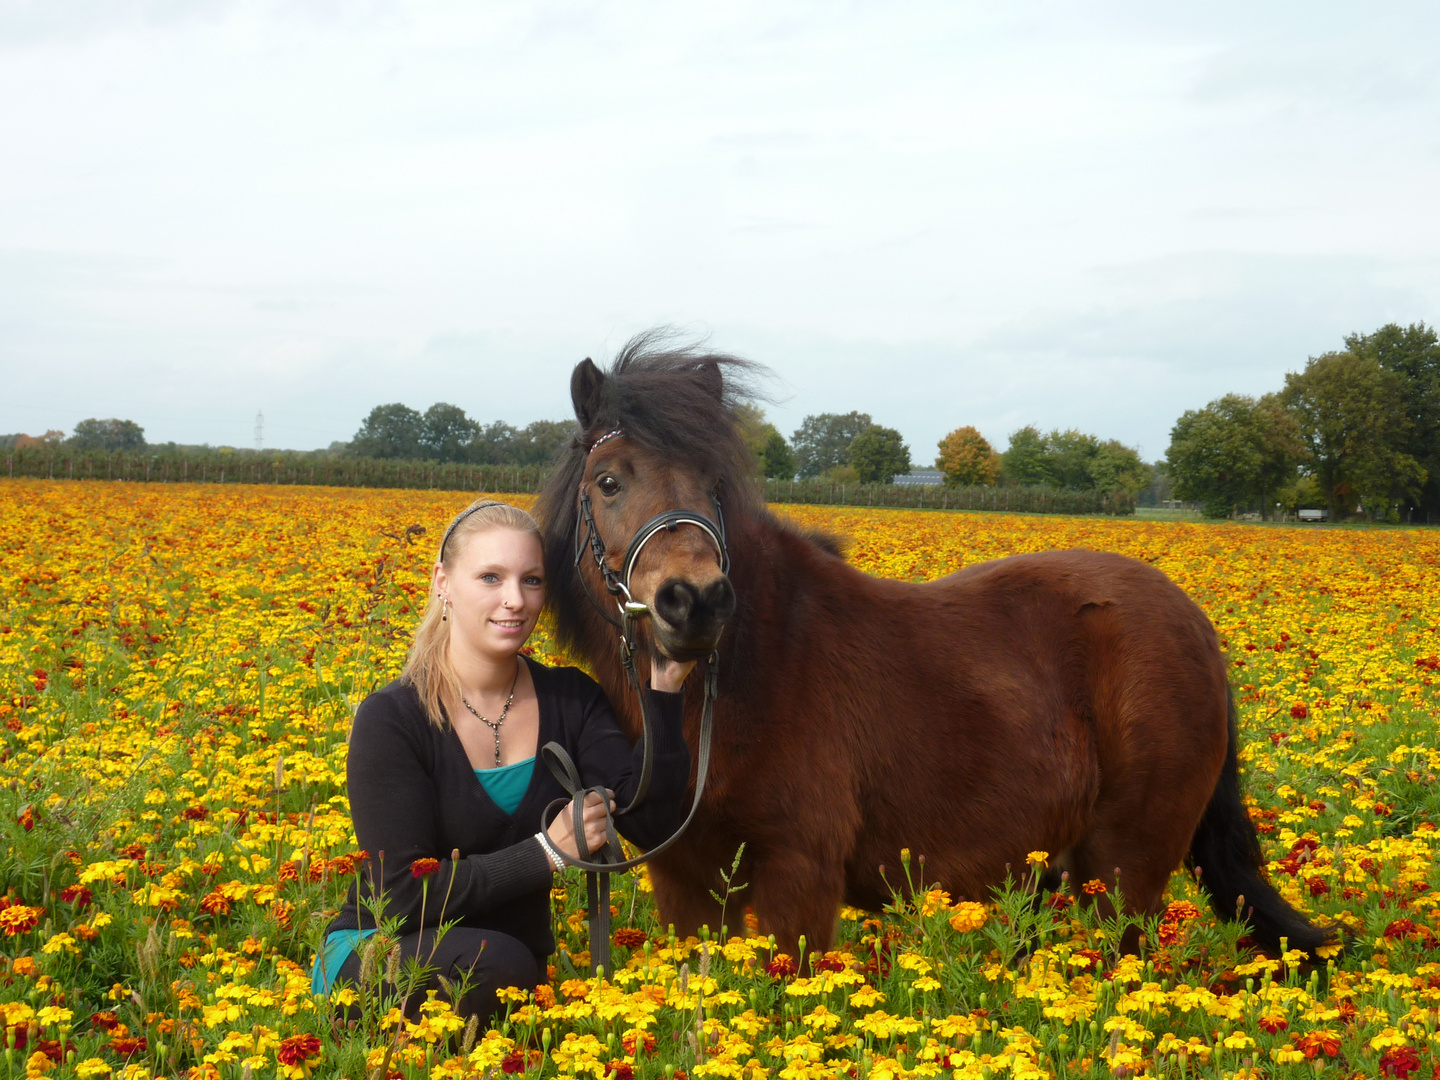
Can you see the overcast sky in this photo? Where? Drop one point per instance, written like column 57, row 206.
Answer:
column 1075, row 215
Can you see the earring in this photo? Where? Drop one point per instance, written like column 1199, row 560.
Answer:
column 445, row 610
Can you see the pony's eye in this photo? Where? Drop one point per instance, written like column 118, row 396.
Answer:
column 608, row 485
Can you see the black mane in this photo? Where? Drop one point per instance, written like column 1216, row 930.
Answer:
column 663, row 395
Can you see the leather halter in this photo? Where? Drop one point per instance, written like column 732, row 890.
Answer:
column 611, row 856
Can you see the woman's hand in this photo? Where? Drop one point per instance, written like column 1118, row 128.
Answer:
column 562, row 829
column 668, row 676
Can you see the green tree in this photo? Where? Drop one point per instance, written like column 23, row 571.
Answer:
column 1413, row 353
column 1234, row 452
column 108, row 435
column 777, row 460
column 879, row 454
column 824, row 440
column 1117, row 467
column 1215, row 454
column 496, row 443
column 966, row 457
column 1352, row 417
column 390, row 431
column 1027, row 459
column 540, row 440
column 446, row 433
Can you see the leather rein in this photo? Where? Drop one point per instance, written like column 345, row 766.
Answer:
column 610, row 858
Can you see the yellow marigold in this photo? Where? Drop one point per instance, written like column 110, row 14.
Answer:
column 967, row 916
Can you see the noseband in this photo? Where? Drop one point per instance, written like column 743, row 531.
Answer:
column 611, row 857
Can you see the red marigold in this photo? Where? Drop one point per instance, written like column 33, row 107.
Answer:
column 1299, row 711
column 1094, row 887
column 544, row 996
column 129, row 1045
column 634, row 1045
column 621, row 1070
column 423, row 868
column 27, row 818
column 630, row 937
column 513, row 1063
column 1402, row 928
column 1399, row 1061
column 341, row 866
column 1273, row 1022
column 830, row 962
column 781, row 967
column 133, row 851
column 216, row 903
column 20, row 919
column 298, row 1049
column 289, row 871
column 1319, row 886
column 1181, row 911
column 78, row 895
column 105, row 1021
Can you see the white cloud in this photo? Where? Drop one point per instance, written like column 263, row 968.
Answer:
column 940, row 213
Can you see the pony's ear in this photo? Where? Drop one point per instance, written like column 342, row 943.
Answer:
column 712, row 380
column 585, row 384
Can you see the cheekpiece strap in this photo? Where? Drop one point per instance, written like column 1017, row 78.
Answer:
column 613, row 434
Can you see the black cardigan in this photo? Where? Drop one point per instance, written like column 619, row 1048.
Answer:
column 413, row 795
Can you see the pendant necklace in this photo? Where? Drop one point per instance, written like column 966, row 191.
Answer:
column 495, row 726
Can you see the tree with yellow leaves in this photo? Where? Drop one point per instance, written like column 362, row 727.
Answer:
column 967, row 458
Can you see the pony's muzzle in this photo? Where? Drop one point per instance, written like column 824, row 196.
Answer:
column 689, row 617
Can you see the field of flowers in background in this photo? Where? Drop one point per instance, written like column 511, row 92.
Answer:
column 180, row 664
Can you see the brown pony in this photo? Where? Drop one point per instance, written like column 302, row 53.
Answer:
column 1073, row 702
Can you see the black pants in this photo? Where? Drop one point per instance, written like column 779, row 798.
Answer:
column 487, row 960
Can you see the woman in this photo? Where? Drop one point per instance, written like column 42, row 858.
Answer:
column 444, row 759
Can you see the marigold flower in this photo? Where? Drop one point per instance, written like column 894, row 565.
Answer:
column 967, row 916
column 781, row 966
column 20, row 919
column 1094, row 887
column 629, row 937
column 298, row 1049
column 423, row 868
column 1038, row 859
column 1399, row 1061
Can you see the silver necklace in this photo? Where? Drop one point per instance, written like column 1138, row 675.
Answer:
column 495, row 726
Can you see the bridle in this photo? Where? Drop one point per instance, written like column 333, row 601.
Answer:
column 611, row 857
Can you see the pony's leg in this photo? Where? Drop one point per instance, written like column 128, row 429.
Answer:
column 796, row 894
column 684, row 902
column 1135, row 868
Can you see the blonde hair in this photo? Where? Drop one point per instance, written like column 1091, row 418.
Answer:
column 428, row 667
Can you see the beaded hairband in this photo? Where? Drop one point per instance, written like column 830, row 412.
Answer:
column 461, row 517
column 615, row 434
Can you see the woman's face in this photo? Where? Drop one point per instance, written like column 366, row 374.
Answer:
column 496, row 586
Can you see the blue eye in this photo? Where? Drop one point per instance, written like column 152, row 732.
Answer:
column 534, row 582
column 489, row 579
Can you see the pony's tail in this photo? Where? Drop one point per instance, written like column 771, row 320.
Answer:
column 1226, row 853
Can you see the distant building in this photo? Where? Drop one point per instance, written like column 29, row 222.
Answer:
column 920, row 478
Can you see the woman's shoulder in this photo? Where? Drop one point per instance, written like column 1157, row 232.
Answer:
column 563, row 683
column 396, row 704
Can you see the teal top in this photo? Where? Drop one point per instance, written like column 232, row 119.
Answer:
column 506, row 786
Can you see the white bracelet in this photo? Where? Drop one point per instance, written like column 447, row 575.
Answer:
column 554, row 856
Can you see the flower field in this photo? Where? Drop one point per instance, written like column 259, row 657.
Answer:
column 180, row 664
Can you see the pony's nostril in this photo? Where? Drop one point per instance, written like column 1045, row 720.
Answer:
column 719, row 598
column 674, row 602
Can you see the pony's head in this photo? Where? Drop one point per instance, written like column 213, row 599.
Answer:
column 657, row 439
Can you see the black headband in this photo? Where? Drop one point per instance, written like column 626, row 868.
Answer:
column 461, row 517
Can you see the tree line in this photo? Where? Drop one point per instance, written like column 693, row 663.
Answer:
column 1357, row 432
